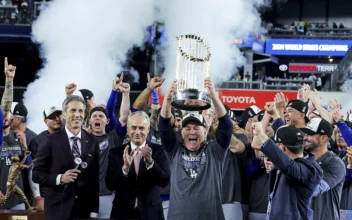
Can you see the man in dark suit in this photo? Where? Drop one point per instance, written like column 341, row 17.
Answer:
column 71, row 191
column 136, row 172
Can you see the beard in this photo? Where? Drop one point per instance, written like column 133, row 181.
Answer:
column 311, row 146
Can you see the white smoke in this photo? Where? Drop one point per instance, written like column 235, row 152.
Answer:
column 219, row 22
column 83, row 41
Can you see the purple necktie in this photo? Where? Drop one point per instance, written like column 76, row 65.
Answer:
column 75, row 150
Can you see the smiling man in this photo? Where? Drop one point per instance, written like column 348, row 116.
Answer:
column 53, row 120
column 70, row 192
column 136, row 171
column 295, row 115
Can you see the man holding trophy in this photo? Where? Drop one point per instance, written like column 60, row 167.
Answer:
column 195, row 160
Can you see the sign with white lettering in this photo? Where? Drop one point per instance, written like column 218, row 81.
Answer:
column 312, row 68
column 307, row 47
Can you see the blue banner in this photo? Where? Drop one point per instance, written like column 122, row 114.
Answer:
column 305, row 47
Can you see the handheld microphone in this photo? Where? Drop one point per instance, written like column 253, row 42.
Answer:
column 80, row 164
column 78, row 161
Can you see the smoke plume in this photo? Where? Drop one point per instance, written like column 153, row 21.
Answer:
column 83, row 41
column 219, row 22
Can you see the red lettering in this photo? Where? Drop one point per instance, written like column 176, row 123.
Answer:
column 303, row 68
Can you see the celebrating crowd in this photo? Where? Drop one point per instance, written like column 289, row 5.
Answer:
column 289, row 160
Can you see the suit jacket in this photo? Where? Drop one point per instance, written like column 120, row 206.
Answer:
column 145, row 186
column 54, row 157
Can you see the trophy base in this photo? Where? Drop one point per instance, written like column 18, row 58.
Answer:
column 21, row 215
column 191, row 100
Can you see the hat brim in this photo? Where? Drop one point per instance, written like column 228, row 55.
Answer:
column 192, row 120
column 53, row 113
column 308, row 131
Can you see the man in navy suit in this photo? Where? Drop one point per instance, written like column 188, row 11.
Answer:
column 136, row 171
column 71, row 192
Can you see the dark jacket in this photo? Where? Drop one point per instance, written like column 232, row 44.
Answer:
column 33, row 146
column 54, row 157
column 295, row 185
column 145, row 186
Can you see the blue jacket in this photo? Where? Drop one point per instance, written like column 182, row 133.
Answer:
column 295, row 184
column 346, row 132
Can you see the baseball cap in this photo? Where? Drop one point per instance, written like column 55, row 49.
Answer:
column 318, row 126
column 193, row 117
column 100, row 109
column 249, row 113
column 298, row 105
column 19, row 109
column 84, row 93
column 316, row 112
column 289, row 135
column 176, row 112
column 230, row 113
column 51, row 110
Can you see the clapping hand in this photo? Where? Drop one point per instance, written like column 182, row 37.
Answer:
column 127, row 159
column 147, row 155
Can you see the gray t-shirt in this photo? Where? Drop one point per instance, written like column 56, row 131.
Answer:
column 231, row 176
column 30, row 135
column 9, row 147
column 106, row 142
column 327, row 205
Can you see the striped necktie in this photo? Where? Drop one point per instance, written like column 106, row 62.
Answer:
column 75, row 149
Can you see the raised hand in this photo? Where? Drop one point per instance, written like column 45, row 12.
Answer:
column 124, row 87
column 336, row 114
column 281, row 100
column 147, row 155
column 155, row 82
column 270, row 108
column 9, row 70
column 314, row 98
column 70, row 89
column 209, row 85
column 257, row 129
column 334, row 104
column 172, row 90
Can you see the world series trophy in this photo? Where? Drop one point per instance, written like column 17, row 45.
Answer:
column 193, row 55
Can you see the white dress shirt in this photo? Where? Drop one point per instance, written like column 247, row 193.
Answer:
column 133, row 148
column 70, row 135
column 79, row 145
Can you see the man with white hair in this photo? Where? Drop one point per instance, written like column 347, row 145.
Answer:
column 196, row 162
column 136, row 171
